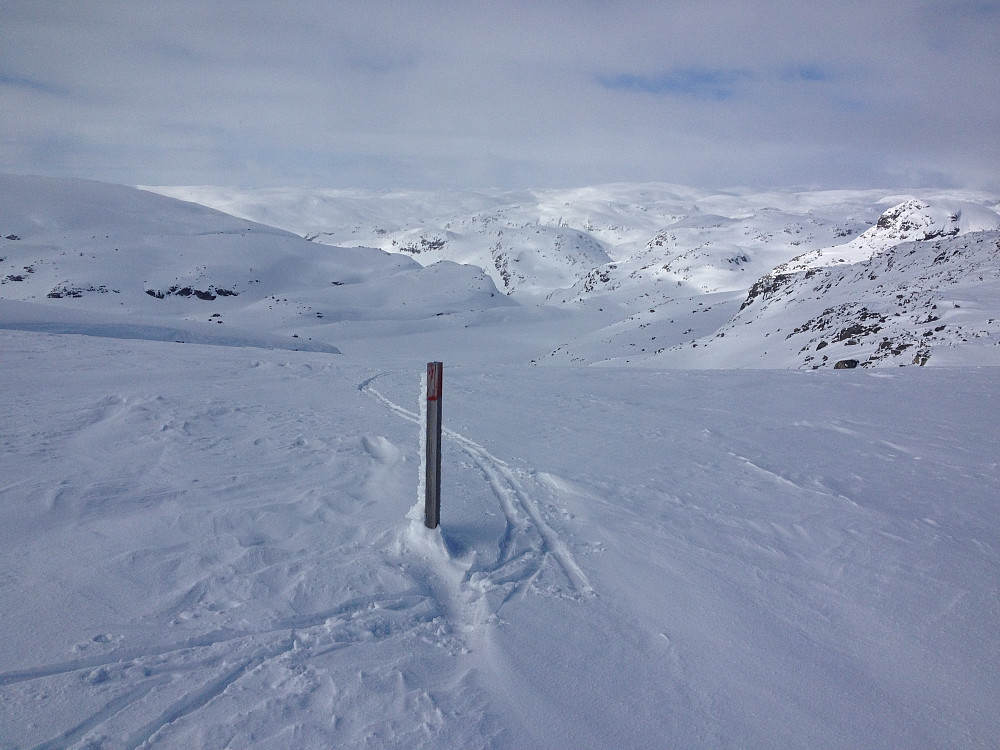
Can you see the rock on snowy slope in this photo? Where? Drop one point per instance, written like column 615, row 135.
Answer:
column 926, row 290
column 912, row 220
column 169, row 265
column 706, row 253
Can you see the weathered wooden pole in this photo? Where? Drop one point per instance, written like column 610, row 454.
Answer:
column 432, row 497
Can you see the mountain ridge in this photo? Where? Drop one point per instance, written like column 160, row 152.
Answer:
column 657, row 275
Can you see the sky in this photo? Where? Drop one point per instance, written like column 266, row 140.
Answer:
column 539, row 93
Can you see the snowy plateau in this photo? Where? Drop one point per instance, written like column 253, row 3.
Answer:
column 719, row 469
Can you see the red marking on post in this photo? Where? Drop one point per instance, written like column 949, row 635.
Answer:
column 434, row 381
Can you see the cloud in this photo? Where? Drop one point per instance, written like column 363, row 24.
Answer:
column 450, row 94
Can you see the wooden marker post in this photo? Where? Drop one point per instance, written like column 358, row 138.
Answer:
column 432, row 498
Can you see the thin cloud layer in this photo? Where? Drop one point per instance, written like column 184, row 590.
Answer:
column 696, row 82
column 447, row 94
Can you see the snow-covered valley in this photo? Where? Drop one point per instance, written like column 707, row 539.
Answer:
column 670, row 272
column 210, row 455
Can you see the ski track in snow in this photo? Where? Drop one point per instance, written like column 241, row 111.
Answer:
column 296, row 640
column 284, row 628
column 188, row 704
column 527, row 540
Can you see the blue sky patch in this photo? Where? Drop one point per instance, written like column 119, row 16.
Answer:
column 700, row 83
column 806, row 72
column 27, row 84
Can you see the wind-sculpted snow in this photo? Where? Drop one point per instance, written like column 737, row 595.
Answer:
column 210, row 547
column 527, row 538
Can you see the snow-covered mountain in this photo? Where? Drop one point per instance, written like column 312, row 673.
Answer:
column 922, row 285
column 656, row 274
column 145, row 263
column 567, row 246
column 912, row 220
column 680, row 268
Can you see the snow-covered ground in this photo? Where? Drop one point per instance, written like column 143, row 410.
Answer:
column 210, row 544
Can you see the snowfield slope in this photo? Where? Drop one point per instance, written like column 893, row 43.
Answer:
column 921, row 287
column 138, row 262
column 218, row 543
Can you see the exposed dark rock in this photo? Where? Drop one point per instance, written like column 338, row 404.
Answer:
column 59, row 293
column 766, row 286
column 63, row 290
column 203, row 294
column 425, row 245
column 846, row 364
